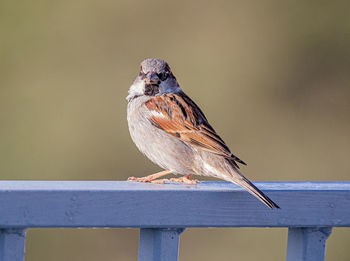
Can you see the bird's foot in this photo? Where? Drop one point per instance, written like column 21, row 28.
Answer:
column 185, row 179
column 148, row 180
column 152, row 178
column 159, row 181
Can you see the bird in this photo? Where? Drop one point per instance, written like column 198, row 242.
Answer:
column 171, row 130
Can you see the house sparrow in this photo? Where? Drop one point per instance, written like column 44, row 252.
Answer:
column 172, row 131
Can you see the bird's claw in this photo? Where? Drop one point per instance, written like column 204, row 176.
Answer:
column 148, row 180
column 185, row 180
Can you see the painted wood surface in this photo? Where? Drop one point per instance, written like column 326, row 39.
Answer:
column 309, row 209
column 307, row 244
column 12, row 244
column 159, row 244
column 208, row 204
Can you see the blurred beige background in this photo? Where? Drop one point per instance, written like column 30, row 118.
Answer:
column 273, row 77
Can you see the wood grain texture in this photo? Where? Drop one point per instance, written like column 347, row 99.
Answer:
column 208, row 204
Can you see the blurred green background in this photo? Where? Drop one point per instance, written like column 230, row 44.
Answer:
column 279, row 71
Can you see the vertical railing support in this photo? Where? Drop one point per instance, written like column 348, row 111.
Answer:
column 12, row 244
column 159, row 244
column 307, row 244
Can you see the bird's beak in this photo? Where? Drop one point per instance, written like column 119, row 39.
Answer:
column 152, row 78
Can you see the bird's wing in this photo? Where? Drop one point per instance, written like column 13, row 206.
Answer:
column 179, row 116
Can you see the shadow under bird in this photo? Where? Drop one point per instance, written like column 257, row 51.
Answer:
column 172, row 131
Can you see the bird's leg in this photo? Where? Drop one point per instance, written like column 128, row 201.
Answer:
column 185, row 179
column 152, row 178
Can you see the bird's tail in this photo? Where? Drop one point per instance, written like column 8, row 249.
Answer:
column 238, row 179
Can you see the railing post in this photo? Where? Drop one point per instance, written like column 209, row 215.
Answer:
column 159, row 244
column 12, row 244
column 307, row 244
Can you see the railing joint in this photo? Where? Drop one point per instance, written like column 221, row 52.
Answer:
column 12, row 244
column 307, row 243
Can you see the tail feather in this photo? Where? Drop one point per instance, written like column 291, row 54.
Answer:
column 240, row 180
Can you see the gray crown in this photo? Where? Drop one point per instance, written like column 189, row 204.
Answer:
column 154, row 65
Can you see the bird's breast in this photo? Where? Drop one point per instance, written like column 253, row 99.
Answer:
column 161, row 148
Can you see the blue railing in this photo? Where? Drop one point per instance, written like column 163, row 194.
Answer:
column 162, row 212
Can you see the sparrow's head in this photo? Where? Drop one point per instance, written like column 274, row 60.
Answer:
column 155, row 78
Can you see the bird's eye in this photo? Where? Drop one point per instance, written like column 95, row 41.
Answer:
column 163, row 76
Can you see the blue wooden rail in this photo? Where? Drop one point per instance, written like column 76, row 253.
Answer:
column 162, row 212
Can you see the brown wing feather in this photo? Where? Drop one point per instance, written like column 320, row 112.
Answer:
column 182, row 118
